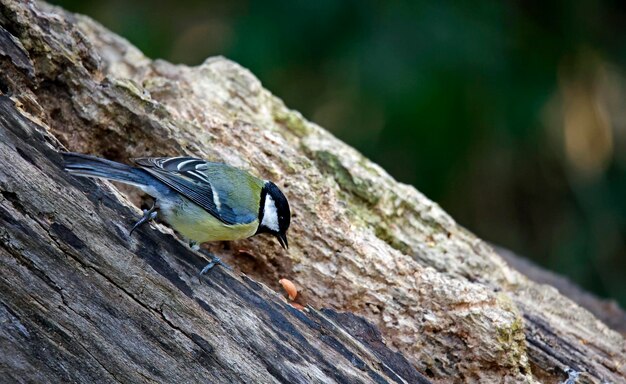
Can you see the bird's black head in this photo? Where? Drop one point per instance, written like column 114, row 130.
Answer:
column 274, row 214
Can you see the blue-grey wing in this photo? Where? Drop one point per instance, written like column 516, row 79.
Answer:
column 228, row 193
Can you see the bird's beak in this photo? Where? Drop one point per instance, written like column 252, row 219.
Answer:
column 282, row 239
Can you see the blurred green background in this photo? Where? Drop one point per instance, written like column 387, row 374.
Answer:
column 510, row 114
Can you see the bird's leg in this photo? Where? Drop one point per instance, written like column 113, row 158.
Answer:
column 214, row 259
column 148, row 214
column 194, row 245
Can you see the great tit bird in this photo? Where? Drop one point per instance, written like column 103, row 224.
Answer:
column 201, row 200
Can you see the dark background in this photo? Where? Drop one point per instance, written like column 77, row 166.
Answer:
column 510, row 114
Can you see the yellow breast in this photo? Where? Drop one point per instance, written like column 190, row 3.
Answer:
column 198, row 225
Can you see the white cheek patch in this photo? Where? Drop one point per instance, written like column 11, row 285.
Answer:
column 270, row 214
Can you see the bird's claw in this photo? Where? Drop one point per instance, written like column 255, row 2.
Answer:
column 148, row 215
column 214, row 261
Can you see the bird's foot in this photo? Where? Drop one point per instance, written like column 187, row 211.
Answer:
column 214, row 261
column 148, row 215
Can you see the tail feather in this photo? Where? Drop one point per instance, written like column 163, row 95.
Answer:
column 91, row 166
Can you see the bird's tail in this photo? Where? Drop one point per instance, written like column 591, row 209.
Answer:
column 91, row 166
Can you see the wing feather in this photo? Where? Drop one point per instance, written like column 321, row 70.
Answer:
column 228, row 193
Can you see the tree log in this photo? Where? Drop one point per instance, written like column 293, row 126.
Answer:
column 606, row 310
column 82, row 301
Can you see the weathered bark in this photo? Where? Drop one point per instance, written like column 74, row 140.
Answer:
column 606, row 310
column 83, row 302
column 94, row 303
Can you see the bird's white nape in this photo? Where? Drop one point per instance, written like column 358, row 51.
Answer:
column 270, row 214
